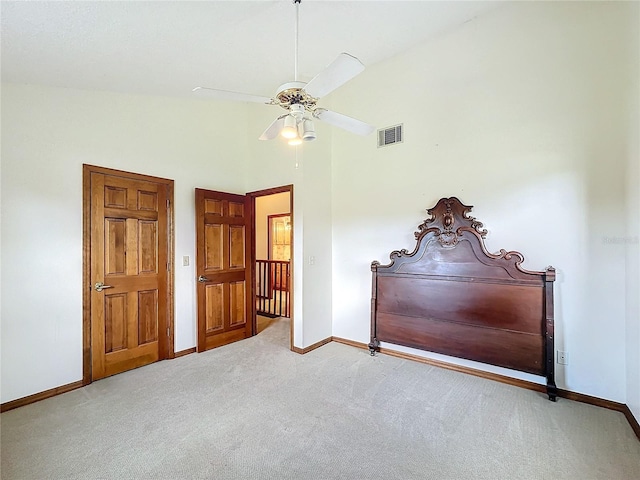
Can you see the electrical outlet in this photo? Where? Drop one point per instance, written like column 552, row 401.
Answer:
column 312, row 260
column 562, row 358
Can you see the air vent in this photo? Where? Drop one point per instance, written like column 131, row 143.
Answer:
column 390, row 135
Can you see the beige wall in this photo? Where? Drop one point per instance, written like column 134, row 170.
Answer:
column 632, row 241
column 522, row 113
column 47, row 134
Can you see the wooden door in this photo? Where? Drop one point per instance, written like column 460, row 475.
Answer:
column 129, row 280
column 223, row 262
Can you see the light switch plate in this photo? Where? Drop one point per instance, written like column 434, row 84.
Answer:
column 185, row 261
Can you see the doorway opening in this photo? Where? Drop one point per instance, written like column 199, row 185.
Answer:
column 273, row 247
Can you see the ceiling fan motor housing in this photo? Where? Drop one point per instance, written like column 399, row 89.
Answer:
column 292, row 93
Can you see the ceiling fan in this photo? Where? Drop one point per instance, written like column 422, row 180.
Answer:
column 300, row 99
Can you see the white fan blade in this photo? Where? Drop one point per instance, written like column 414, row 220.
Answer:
column 347, row 123
column 226, row 95
column 339, row 72
column 273, row 130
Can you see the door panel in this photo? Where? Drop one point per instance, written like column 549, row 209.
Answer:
column 236, row 247
column 213, row 206
column 147, row 316
column 236, row 209
column 115, row 323
column 129, row 243
column 147, row 201
column 214, row 293
column 213, row 241
column 238, row 303
column 147, row 247
column 223, row 268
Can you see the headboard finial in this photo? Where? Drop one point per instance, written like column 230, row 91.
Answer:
column 447, row 217
column 550, row 273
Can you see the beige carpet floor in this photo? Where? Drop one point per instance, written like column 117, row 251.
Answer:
column 255, row 410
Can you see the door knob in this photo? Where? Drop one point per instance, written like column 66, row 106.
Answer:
column 202, row 279
column 99, row 286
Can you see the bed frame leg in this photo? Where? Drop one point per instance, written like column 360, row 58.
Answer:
column 552, row 391
column 374, row 346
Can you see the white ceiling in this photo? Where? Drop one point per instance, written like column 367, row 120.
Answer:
column 168, row 47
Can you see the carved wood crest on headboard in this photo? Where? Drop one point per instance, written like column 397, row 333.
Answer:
column 451, row 296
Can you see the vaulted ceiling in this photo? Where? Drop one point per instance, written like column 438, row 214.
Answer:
column 167, row 47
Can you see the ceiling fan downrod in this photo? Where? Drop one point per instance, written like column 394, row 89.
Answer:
column 295, row 55
column 296, row 127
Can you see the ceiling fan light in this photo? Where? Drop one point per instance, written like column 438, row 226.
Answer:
column 295, row 141
column 290, row 129
column 288, row 133
column 308, row 131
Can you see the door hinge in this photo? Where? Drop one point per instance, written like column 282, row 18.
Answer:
column 168, row 332
column 168, row 267
column 167, row 203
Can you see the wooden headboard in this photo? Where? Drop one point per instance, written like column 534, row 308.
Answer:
column 451, row 296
